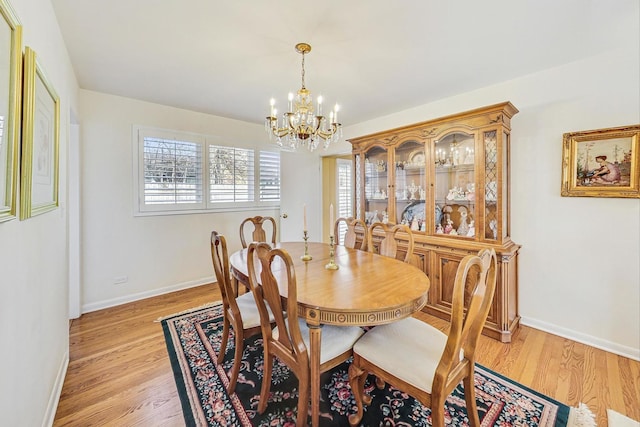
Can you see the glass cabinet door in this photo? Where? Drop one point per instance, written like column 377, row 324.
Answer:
column 455, row 187
column 410, row 185
column 376, row 185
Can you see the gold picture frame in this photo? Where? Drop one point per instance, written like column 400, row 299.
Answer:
column 40, row 141
column 10, row 94
column 602, row 163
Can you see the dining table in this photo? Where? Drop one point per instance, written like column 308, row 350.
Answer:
column 366, row 289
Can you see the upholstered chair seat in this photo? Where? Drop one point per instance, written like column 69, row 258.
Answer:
column 335, row 339
column 410, row 360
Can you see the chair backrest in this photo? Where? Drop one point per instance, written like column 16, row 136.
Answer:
column 288, row 344
column 389, row 244
column 220, row 258
column 473, row 291
column 350, row 239
column 259, row 233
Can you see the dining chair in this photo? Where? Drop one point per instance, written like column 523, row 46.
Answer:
column 259, row 234
column 289, row 339
column 388, row 245
column 350, row 239
column 422, row 361
column 240, row 312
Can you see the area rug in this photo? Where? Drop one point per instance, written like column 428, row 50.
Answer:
column 193, row 341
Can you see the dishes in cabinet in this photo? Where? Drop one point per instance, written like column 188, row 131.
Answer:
column 413, row 210
column 415, row 160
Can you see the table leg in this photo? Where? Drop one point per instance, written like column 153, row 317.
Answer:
column 315, row 335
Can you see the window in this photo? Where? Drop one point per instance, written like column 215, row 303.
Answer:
column 231, row 174
column 269, row 176
column 172, row 176
column 344, row 191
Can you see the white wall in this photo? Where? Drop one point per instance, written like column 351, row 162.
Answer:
column 157, row 253
column 33, row 259
column 579, row 266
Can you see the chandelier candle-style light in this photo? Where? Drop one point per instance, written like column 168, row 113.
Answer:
column 300, row 125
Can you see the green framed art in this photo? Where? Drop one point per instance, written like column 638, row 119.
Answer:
column 10, row 92
column 40, row 141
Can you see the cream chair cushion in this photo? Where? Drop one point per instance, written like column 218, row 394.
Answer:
column 334, row 341
column 249, row 310
column 408, row 349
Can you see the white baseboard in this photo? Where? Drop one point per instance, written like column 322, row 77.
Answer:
column 54, row 398
column 612, row 347
column 87, row 308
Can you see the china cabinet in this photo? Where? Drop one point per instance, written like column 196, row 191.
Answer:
column 448, row 180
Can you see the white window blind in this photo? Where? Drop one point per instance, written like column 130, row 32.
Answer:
column 172, row 171
column 344, row 192
column 183, row 172
column 269, row 176
column 231, row 174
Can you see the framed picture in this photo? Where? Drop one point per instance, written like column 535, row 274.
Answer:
column 601, row 163
column 10, row 94
column 40, row 141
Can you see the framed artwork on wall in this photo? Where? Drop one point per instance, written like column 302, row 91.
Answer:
column 10, row 94
column 40, row 140
column 602, row 163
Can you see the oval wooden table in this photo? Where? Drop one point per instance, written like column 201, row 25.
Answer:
column 368, row 289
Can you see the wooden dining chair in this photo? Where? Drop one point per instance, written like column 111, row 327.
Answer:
column 419, row 359
column 388, row 245
column 259, row 233
column 350, row 239
column 240, row 312
column 289, row 339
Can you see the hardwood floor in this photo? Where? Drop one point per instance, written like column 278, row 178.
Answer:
column 119, row 372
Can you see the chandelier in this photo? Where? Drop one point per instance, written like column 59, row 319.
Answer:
column 300, row 125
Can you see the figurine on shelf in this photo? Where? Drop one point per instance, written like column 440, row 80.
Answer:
column 381, row 166
column 449, row 227
column 376, row 216
column 439, row 229
column 423, row 226
column 383, row 194
column 414, row 224
column 463, row 228
column 471, row 191
column 472, row 229
column 446, row 212
column 385, row 217
column 412, row 190
column 423, row 193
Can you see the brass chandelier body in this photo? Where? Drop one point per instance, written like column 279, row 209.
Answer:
column 301, row 125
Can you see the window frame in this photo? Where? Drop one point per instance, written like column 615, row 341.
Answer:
column 205, row 205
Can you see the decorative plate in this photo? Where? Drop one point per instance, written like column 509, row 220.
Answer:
column 413, row 209
column 416, row 159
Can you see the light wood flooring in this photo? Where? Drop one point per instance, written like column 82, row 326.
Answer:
column 119, row 372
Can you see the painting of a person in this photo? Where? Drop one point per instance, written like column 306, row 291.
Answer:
column 607, row 173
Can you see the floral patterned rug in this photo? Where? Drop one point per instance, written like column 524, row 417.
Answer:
column 193, row 341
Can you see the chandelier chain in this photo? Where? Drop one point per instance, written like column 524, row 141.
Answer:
column 303, row 85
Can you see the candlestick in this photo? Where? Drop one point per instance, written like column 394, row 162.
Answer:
column 331, row 220
column 304, row 217
column 331, row 265
column 306, row 256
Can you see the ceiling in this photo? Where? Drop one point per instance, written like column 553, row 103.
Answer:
column 373, row 57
